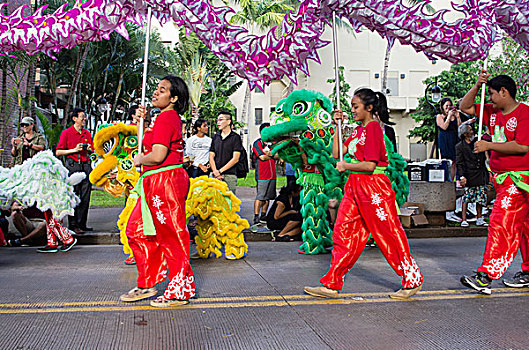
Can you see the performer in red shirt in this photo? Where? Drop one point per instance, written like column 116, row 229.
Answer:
column 156, row 229
column 368, row 204
column 265, row 176
column 508, row 123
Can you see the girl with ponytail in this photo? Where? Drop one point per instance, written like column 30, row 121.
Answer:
column 368, row 204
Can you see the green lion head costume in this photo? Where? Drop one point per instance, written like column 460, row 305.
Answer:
column 302, row 128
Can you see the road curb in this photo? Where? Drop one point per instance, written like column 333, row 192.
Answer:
column 96, row 238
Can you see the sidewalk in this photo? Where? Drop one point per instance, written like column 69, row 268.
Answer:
column 103, row 220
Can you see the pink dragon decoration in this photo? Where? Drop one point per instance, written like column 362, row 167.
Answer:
column 262, row 58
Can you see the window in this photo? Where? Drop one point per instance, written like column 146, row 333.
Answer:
column 258, row 116
column 393, row 84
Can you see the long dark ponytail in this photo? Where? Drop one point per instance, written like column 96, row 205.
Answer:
column 378, row 101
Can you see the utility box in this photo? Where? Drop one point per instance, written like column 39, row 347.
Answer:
column 412, row 214
column 438, row 170
column 416, row 172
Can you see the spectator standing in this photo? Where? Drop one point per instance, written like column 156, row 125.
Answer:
column 390, row 133
column 447, row 123
column 197, row 148
column 508, row 122
column 28, row 143
column 473, row 174
column 30, row 221
column 290, row 173
column 265, row 176
column 132, row 114
column 225, row 151
column 75, row 144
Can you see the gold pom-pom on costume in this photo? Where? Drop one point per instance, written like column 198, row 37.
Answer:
column 122, row 224
column 215, row 208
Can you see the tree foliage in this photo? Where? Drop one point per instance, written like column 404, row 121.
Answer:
column 514, row 62
column 113, row 69
column 219, row 84
column 345, row 98
column 454, row 83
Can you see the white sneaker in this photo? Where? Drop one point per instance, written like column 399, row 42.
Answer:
column 481, row 222
column 464, row 224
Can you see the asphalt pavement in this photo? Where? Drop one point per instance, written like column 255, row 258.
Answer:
column 71, row 301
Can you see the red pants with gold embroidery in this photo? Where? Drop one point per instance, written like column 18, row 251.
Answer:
column 368, row 205
column 508, row 229
column 166, row 194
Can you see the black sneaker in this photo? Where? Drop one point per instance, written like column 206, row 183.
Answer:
column 14, row 242
column 255, row 219
column 67, row 247
column 520, row 280
column 480, row 282
column 262, row 219
column 47, row 249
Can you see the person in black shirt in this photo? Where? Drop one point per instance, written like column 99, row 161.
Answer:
column 284, row 216
column 473, row 174
column 226, row 148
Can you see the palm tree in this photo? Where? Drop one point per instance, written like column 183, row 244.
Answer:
column 195, row 76
column 259, row 15
column 80, row 62
column 384, row 87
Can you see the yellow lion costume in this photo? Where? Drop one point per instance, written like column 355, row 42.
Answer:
column 209, row 200
column 215, row 208
column 115, row 147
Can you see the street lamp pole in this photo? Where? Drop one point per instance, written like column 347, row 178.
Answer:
column 435, row 92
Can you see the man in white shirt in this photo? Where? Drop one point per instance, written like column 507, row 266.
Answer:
column 197, row 148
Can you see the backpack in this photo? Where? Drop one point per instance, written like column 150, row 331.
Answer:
column 242, row 165
column 254, row 158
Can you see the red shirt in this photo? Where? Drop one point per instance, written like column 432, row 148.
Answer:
column 70, row 138
column 504, row 128
column 165, row 129
column 366, row 144
column 265, row 169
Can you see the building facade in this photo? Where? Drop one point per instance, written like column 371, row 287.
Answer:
column 362, row 56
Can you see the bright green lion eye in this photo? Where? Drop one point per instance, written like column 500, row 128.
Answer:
column 300, row 108
column 93, row 157
column 133, row 154
column 131, row 141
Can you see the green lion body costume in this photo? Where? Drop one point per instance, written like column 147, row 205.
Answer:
column 302, row 128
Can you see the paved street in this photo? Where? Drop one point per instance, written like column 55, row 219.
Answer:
column 70, row 301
